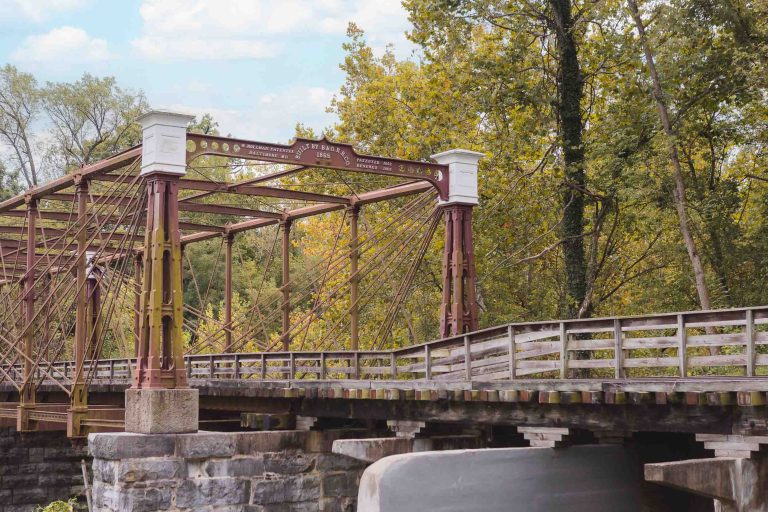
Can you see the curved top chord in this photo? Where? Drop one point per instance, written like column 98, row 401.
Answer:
column 318, row 153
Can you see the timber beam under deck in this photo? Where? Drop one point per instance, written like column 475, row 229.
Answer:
column 694, row 405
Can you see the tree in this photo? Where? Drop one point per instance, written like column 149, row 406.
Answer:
column 679, row 192
column 19, row 107
column 91, row 119
column 50, row 130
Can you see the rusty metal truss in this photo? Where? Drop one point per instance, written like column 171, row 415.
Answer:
column 94, row 262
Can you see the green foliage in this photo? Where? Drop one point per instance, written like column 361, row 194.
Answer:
column 486, row 77
column 59, row 506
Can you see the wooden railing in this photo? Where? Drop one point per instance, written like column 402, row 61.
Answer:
column 698, row 343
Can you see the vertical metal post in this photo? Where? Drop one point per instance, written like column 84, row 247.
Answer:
column 47, row 320
column 286, row 252
column 137, row 274
column 160, row 358
column 93, row 305
column 79, row 398
column 354, row 255
column 229, row 240
column 27, row 397
column 459, row 308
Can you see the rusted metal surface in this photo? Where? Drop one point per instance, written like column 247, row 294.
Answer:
column 458, row 313
column 160, row 363
column 318, row 153
column 105, row 237
column 354, row 280
column 285, row 287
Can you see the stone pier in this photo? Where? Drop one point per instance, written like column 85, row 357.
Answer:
column 38, row 468
column 223, row 471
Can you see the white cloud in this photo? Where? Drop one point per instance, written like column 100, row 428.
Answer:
column 63, row 44
column 160, row 48
column 37, row 10
column 250, row 28
column 274, row 117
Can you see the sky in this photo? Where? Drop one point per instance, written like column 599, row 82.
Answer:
column 258, row 66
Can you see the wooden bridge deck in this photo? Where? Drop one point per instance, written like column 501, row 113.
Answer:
column 695, row 371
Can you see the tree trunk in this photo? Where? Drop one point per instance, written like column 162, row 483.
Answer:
column 570, row 87
column 679, row 192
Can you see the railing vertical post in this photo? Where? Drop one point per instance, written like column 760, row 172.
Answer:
column 682, row 344
column 618, row 353
column 188, row 364
column 563, row 351
column 291, row 366
column 427, row 363
column 467, row 358
column 111, row 369
column 393, row 364
column 210, row 366
column 322, row 366
column 512, row 352
column 749, row 332
column 263, row 366
column 357, row 365
column 237, row 366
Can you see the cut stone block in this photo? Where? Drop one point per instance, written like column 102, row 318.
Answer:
column 161, row 411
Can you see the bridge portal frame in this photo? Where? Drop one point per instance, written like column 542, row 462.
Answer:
column 160, row 364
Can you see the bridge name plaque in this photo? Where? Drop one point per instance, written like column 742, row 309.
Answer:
column 317, row 153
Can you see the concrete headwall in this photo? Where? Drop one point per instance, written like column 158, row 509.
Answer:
column 575, row 479
column 38, row 468
column 223, row 471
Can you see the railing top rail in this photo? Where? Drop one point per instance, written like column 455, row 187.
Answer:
column 501, row 329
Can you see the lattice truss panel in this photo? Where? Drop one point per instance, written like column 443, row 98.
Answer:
column 71, row 260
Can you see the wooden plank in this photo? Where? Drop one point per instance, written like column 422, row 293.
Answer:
column 467, row 359
column 719, row 360
column 591, row 363
column 427, row 363
column 682, row 336
column 543, row 348
column 618, row 355
column 650, row 362
column 512, row 350
column 749, row 332
column 650, row 342
column 590, row 345
column 716, row 340
column 563, row 351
